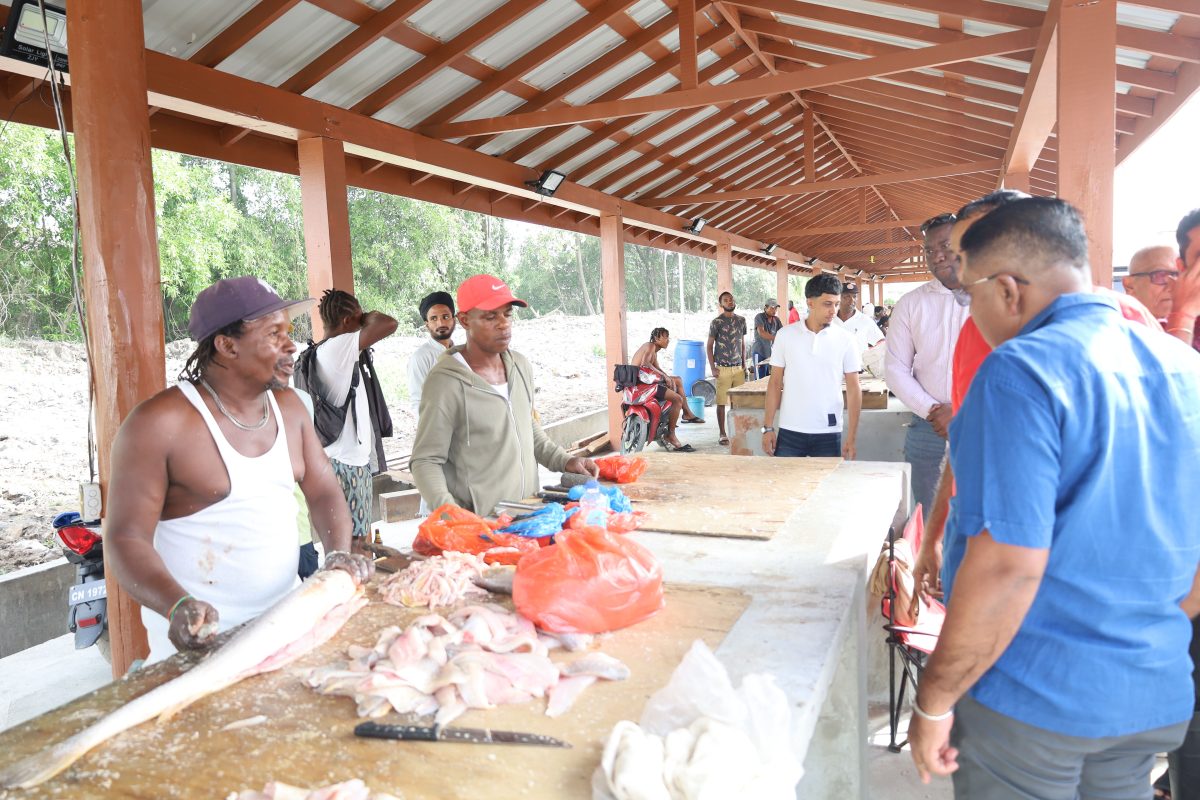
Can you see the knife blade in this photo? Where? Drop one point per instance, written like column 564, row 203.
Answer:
column 436, row 733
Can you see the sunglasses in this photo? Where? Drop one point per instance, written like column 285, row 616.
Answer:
column 1159, row 277
column 939, row 220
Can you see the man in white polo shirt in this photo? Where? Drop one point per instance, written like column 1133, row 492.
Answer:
column 857, row 322
column 808, row 364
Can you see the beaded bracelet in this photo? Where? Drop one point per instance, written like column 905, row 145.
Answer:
column 174, row 608
column 931, row 717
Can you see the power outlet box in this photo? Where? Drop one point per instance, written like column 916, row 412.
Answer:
column 89, row 502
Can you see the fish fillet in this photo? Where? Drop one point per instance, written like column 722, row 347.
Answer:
column 302, row 620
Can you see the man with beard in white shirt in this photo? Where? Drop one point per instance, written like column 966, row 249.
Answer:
column 437, row 312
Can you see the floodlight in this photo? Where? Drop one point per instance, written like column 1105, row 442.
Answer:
column 697, row 225
column 811, row 261
column 547, row 184
column 768, row 249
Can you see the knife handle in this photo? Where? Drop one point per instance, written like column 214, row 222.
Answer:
column 412, row 733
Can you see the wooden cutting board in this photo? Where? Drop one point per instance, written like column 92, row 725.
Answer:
column 720, row 495
column 307, row 739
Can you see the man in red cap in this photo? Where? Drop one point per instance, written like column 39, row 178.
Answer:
column 478, row 440
column 201, row 523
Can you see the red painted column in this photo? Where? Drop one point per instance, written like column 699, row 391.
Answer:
column 612, row 273
column 326, row 217
column 1087, row 122
column 120, row 244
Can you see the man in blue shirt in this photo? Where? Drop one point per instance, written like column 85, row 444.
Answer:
column 1072, row 551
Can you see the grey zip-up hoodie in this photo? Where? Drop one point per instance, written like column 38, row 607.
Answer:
column 473, row 447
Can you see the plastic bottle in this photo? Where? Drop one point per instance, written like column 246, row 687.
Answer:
column 594, row 505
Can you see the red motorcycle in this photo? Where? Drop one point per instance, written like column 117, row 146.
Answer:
column 647, row 412
column 87, row 598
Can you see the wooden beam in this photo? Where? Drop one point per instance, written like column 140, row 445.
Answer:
column 781, row 285
column 120, row 247
column 351, row 45
column 1165, row 107
column 939, row 171
column 1155, row 43
column 832, row 229
column 1187, row 8
column 1087, row 38
column 686, row 10
column 382, row 97
column 724, row 267
column 1038, row 111
column 326, row 216
column 918, row 58
column 612, row 279
column 243, row 29
column 867, row 248
column 810, row 145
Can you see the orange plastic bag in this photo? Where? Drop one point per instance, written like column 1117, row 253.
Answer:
column 589, row 581
column 617, row 522
column 456, row 529
column 621, row 469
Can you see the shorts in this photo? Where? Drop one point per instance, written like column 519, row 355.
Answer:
column 660, row 393
column 728, row 378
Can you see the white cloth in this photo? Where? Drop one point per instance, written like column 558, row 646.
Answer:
column 419, row 365
column 923, row 330
column 864, row 329
column 499, row 388
column 239, row 554
column 815, row 365
column 337, row 361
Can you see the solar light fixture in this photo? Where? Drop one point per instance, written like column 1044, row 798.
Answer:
column 811, row 261
column 768, row 249
column 697, row 225
column 548, row 184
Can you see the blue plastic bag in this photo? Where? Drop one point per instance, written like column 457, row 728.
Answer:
column 546, row 521
column 617, row 501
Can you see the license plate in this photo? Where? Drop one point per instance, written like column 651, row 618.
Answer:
column 86, row 592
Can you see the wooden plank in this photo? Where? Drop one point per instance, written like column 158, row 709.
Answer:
column 753, row 394
column 719, row 495
column 190, row 756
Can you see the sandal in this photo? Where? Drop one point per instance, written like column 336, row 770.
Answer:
column 723, row 441
column 693, row 421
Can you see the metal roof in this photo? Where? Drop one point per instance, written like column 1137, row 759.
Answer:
column 421, row 64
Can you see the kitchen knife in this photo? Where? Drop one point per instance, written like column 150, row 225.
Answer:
column 436, row 733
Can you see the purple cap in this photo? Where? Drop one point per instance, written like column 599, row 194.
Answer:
column 232, row 299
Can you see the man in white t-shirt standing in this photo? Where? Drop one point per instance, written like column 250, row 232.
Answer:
column 861, row 325
column 808, row 364
column 349, row 331
column 437, row 311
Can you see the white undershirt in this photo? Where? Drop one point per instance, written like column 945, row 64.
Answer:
column 499, row 388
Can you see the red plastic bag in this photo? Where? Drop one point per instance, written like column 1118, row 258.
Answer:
column 589, row 581
column 456, row 529
column 617, row 522
column 621, row 469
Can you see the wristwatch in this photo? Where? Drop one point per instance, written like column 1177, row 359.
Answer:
column 767, row 429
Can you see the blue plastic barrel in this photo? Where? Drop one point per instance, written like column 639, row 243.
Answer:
column 689, row 362
column 696, row 404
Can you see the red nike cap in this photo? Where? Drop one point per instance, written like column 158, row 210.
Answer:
column 485, row 292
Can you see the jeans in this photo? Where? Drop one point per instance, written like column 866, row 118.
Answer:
column 925, row 451
column 793, row 444
column 1001, row 758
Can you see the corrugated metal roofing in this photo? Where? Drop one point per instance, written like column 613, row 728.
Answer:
column 574, row 58
column 444, row 21
column 607, row 80
column 427, row 97
column 541, row 24
column 363, row 74
column 181, row 31
column 279, row 52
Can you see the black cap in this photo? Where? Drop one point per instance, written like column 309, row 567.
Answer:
column 849, row 288
column 436, row 299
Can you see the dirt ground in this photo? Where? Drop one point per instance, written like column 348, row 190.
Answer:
column 43, row 394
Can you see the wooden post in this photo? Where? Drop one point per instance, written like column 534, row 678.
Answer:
column 326, row 218
column 724, row 268
column 1087, row 38
column 120, row 244
column 1018, row 181
column 612, row 272
column 781, row 285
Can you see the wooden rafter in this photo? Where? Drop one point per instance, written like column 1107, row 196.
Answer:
column 1039, row 104
column 241, row 31
column 925, row 57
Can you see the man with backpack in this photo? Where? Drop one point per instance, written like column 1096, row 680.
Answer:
column 350, row 415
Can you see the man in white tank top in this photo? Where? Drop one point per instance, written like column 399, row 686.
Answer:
column 201, row 516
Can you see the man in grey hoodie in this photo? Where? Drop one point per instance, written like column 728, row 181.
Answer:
column 478, row 441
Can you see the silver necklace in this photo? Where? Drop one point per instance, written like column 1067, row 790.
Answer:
column 221, row 407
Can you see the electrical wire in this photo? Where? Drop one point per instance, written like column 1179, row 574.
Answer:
column 13, row 111
column 57, row 84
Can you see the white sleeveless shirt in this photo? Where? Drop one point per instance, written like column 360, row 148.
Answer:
column 239, row 554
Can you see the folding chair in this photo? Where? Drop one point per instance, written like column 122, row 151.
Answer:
column 908, row 644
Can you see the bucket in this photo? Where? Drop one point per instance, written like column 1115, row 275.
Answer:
column 706, row 390
column 696, row 406
column 689, row 361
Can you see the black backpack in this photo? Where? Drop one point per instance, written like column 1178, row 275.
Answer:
column 329, row 419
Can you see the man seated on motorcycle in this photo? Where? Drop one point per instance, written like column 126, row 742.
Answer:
column 646, row 358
